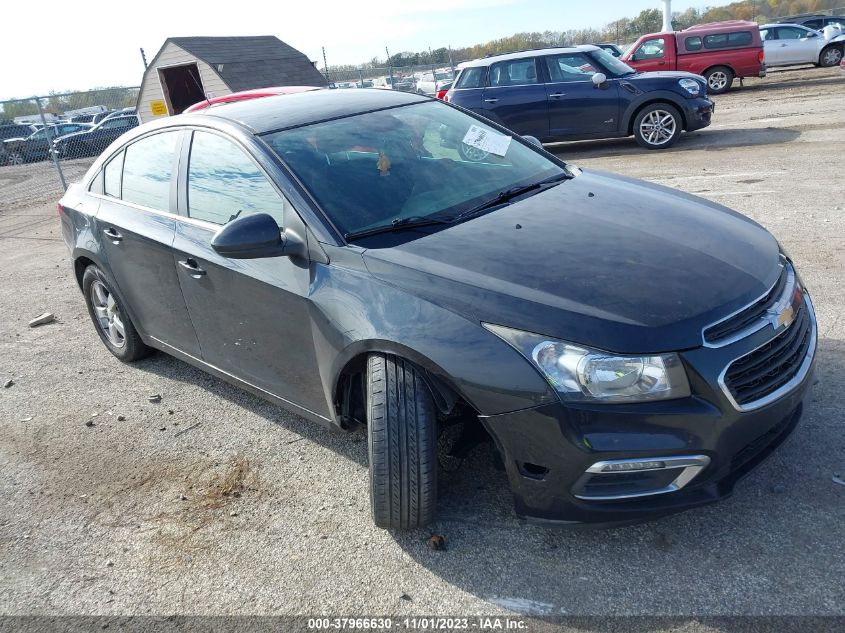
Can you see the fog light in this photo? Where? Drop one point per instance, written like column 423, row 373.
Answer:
column 620, row 467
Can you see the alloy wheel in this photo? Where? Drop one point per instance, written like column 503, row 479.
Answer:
column 718, row 80
column 108, row 315
column 16, row 158
column 832, row 57
column 658, row 127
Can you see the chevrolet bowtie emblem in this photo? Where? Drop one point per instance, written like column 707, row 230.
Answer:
column 786, row 317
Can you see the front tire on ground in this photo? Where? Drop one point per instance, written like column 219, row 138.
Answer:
column 110, row 317
column 658, row 126
column 402, row 440
column 719, row 79
column 830, row 56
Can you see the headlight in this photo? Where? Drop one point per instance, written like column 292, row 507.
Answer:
column 582, row 374
column 691, row 86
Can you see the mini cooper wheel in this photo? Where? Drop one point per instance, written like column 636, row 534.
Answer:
column 402, row 441
column 15, row 158
column 719, row 79
column 472, row 154
column 658, row 126
column 110, row 318
column 830, row 56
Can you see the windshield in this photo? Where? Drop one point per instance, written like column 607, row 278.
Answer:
column 616, row 66
column 415, row 161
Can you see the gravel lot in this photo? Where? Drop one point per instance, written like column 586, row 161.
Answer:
column 215, row 502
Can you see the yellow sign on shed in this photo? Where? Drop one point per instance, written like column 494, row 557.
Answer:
column 158, row 108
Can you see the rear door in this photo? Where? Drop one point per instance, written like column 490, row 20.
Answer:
column 577, row 107
column 251, row 315
column 516, row 97
column 136, row 224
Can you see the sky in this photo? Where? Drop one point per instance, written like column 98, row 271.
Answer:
column 100, row 46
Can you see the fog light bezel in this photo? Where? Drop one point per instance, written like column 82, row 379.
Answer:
column 690, row 466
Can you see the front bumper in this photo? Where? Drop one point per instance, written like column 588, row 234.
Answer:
column 699, row 113
column 548, row 451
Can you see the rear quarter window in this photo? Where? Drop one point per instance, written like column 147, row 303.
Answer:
column 736, row 39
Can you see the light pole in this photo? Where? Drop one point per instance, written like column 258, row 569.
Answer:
column 667, row 16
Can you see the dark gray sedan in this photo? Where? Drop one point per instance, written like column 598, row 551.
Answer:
column 629, row 350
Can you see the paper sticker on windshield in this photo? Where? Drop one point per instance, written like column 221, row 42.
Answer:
column 487, row 140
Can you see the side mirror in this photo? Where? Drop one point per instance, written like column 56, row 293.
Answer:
column 811, row 34
column 533, row 140
column 599, row 79
column 256, row 236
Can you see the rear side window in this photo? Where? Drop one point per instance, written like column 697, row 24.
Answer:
column 471, row 78
column 693, row 43
column 516, row 72
column 111, row 176
column 147, row 170
column 813, row 24
column 224, row 183
column 728, row 40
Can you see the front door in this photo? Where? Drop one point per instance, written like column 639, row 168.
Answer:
column 516, row 98
column 251, row 315
column 794, row 46
column 136, row 229
column 651, row 55
column 577, row 107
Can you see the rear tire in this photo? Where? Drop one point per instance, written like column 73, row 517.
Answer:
column 402, row 440
column 719, row 79
column 830, row 56
column 16, row 158
column 110, row 318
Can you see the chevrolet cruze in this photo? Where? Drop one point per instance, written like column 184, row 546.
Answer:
column 631, row 350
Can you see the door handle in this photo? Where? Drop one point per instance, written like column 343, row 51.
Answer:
column 112, row 234
column 661, row 63
column 493, row 100
column 192, row 267
column 557, row 95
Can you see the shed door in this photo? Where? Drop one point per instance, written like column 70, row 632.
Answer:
column 182, row 87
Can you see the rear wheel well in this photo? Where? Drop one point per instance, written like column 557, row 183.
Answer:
column 79, row 267
column 643, row 106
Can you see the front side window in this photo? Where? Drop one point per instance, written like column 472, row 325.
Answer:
column 813, row 24
column 651, row 49
column 224, row 183
column 420, row 160
column 471, row 78
column 516, row 72
column 147, row 170
column 570, row 67
column 791, row 33
column 113, row 124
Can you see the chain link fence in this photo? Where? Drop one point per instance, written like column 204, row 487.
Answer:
column 46, row 142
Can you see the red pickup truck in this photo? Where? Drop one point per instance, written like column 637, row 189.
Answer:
column 720, row 51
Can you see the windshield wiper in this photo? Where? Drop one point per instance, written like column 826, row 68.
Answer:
column 399, row 224
column 509, row 194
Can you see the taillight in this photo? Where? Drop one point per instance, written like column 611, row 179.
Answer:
column 441, row 94
column 761, row 56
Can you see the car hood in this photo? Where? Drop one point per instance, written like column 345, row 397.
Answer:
column 662, row 74
column 600, row 260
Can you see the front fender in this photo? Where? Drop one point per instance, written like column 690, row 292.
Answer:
column 356, row 314
column 644, row 98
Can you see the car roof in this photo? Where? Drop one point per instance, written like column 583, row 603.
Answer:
column 486, row 61
column 774, row 24
column 303, row 108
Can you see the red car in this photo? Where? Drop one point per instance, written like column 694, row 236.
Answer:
column 720, row 51
column 245, row 95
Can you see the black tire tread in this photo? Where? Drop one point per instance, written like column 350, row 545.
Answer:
column 402, row 423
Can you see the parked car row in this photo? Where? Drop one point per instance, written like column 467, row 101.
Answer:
column 66, row 139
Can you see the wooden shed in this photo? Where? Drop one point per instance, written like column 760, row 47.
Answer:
column 188, row 69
